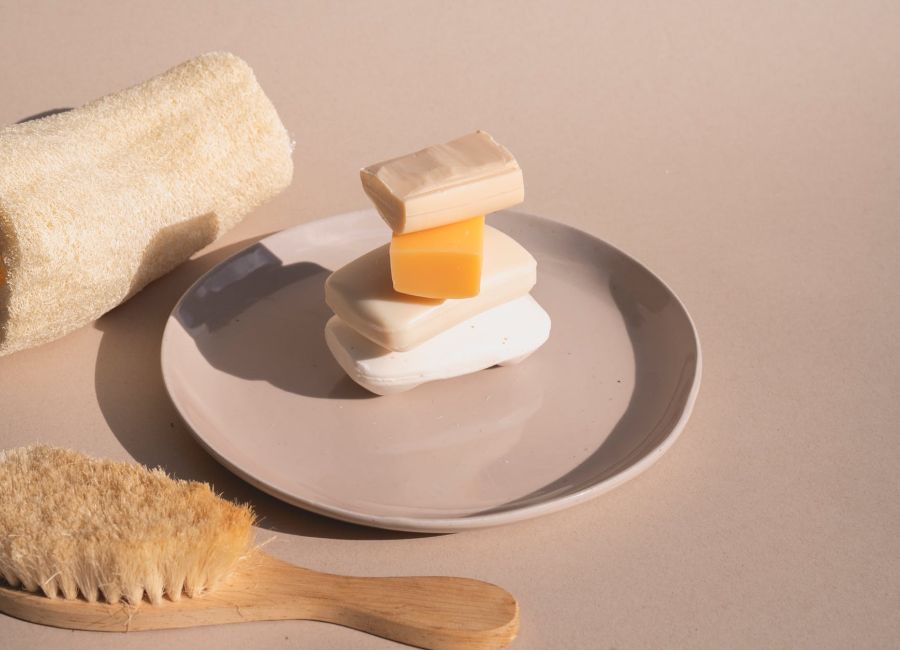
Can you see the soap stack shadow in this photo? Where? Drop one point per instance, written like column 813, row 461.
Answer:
column 134, row 402
column 240, row 332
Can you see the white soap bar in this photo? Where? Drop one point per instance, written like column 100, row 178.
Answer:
column 472, row 175
column 362, row 294
column 503, row 335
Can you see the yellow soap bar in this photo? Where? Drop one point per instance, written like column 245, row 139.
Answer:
column 442, row 262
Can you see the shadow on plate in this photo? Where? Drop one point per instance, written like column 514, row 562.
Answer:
column 134, row 402
column 258, row 319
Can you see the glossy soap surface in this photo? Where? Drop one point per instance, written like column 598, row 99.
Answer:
column 245, row 362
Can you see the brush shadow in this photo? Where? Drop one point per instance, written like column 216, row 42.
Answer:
column 134, row 402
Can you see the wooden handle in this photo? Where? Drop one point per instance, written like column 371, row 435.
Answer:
column 428, row 612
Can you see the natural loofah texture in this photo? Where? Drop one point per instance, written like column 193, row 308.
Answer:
column 97, row 202
column 71, row 525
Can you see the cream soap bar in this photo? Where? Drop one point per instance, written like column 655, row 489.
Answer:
column 362, row 294
column 444, row 183
column 503, row 335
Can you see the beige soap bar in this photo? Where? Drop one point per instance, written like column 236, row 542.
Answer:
column 362, row 294
column 444, row 183
column 98, row 201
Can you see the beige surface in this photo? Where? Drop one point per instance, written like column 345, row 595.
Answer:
column 750, row 156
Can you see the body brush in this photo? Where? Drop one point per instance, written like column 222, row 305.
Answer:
column 101, row 545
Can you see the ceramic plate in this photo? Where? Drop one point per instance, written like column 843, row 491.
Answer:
column 245, row 362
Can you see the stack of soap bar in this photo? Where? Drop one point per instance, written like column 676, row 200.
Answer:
column 449, row 295
column 362, row 295
column 432, row 200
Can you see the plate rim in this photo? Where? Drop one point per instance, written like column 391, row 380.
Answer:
column 441, row 524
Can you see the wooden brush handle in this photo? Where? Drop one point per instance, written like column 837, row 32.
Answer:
column 428, row 612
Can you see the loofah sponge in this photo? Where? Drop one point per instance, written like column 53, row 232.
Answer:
column 72, row 525
column 97, row 202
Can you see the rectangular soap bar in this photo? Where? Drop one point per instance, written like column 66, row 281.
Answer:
column 442, row 262
column 504, row 335
column 362, row 294
column 444, row 183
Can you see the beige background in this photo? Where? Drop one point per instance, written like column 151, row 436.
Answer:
column 748, row 153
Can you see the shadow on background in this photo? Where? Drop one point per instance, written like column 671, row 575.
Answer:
column 134, row 402
column 43, row 114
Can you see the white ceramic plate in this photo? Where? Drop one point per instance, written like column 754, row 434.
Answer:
column 245, row 362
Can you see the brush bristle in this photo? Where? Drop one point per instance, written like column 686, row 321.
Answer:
column 73, row 525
